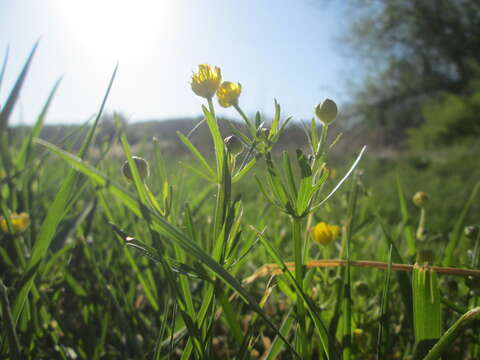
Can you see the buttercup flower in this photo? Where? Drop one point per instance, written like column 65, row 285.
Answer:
column 19, row 222
column 228, row 93
column 326, row 111
column 206, row 81
column 324, row 233
column 142, row 167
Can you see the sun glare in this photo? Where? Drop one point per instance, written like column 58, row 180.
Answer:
column 118, row 28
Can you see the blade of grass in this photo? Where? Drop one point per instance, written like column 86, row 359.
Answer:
column 403, row 278
column 56, row 212
column 451, row 334
column 427, row 313
column 382, row 339
column 9, row 324
column 339, row 184
column 13, row 96
column 347, row 298
column 408, row 228
column 277, row 344
column 26, row 149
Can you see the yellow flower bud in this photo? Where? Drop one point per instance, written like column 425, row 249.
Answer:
column 421, row 198
column 206, row 81
column 324, row 233
column 142, row 167
column 326, row 111
column 19, row 222
column 228, row 94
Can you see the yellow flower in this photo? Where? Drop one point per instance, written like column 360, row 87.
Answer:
column 228, row 94
column 19, row 222
column 206, row 81
column 324, row 233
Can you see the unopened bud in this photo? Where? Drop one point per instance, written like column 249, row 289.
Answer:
column 473, row 283
column 233, row 144
column 471, row 231
column 326, row 111
column 142, row 167
column 361, row 288
column 263, row 133
column 421, row 198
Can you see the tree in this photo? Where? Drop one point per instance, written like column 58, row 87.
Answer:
column 418, row 51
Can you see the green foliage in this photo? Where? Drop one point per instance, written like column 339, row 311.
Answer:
column 415, row 52
column 449, row 119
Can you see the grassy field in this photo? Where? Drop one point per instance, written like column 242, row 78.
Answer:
column 247, row 254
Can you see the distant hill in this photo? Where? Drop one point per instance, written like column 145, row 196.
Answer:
column 141, row 133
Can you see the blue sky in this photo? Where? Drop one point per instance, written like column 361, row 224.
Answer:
column 281, row 49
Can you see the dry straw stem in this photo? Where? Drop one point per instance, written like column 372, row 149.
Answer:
column 273, row 269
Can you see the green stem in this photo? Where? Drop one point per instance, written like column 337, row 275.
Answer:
column 211, row 108
column 421, row 225
column 245, row 117
column 347, row 328
column 299, row 274
column 320, row 155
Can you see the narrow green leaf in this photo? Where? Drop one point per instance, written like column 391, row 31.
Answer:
column 277, row 344
column 409, row 232
column 276, row 184
column 354, row 165
column 197, row 154
column 217, row 140
column 26, row 149
column 9, row 324
column 451, row 334
column 403, row 278
column 231, row 317
column 313, row 134
column 245, row 169
column 305, row 189
column 237, row 132
column 13, row 97
column 383, row 334
column 276, row 120
column 287, row 165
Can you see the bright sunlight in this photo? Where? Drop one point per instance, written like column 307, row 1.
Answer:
column 112, row 27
